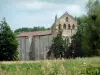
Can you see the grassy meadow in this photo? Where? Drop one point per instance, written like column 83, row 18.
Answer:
column 78, row 66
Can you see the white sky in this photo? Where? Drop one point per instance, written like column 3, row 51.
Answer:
column 30, row 13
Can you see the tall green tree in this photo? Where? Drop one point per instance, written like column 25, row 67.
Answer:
column 58, row 46
column 91, row 37
column 8, row 43
column 75, row 48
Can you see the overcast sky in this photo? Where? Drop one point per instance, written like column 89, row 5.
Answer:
column 30, row 13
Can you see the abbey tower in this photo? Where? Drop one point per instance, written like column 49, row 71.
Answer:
column 67, row 24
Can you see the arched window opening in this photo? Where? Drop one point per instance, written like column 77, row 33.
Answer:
column 67, row 19
column 73, row 27
column 64, row 26
column 68, row 26
column 59, row 26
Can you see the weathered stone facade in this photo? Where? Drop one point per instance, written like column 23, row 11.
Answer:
column 35, row 45
column 67, row 24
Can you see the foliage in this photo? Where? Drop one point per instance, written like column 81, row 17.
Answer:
column 8, row 43
column 86, row 42
column 18, row 31
column 58, row 46
column 78, row 66
column 91, row 36
column 75, row 49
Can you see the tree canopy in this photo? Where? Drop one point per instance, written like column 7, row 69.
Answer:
column 8, row 43
column 91, row 35
column 25, row 29
column 59, row 46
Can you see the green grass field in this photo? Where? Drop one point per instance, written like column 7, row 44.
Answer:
column 78, row 66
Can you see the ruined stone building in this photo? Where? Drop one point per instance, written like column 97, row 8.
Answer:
column 35, row 45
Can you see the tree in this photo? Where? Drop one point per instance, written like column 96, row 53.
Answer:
column 8, row 43
column 91, row 37
column 25, row 29
column 18, row 31
column 87, row 40
column 58, row 46
column 75, row 48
